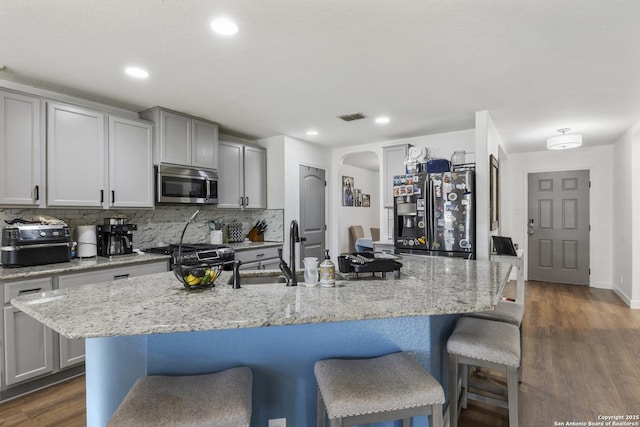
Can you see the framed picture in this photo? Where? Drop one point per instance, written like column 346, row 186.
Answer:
column 347, row 191
column 357, row 197
column 494, row 192
column 366, row 200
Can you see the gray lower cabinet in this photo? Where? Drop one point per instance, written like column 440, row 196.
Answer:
column 28, row 349
column 258, row 259
column 32, row 350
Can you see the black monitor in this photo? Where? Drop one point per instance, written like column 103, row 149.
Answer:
column 504, row 246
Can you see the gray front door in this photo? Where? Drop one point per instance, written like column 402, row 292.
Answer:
column 312, row 224
column 558, row 227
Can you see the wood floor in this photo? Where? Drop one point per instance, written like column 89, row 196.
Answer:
column 581, row 360
column 61, row 405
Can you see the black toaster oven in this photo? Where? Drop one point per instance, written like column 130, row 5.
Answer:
column 25, row 245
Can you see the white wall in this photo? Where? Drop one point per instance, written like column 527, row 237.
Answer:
column 284, row 157
column 369, row 182
column 296, row 153
column 626, row 217
column 488, row 141
column 599, row 161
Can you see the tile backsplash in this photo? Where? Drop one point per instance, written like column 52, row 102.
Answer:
column 163, row 224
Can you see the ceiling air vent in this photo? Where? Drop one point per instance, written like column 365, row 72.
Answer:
column 352, row 117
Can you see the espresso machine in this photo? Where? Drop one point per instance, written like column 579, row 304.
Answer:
column 115, row 237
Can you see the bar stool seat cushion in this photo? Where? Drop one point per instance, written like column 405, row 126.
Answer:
column 366, row 386
column 505, row 311
column 221, row 399
column 488, row 340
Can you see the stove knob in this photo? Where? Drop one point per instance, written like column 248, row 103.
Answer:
column 43, row 233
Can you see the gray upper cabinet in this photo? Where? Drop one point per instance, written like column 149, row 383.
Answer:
column 242, row 176
column 21, row 151
column 393, row 158
column 130, row 163
column 183, row 140
column 92, row 165
column 255, row 177
column 204, row 144
column 75, row 156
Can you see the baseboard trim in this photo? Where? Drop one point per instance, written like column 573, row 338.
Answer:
column 601, row 285
column 635, row 304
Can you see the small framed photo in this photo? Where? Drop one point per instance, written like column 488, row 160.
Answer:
column 357, row 197
column 366, row 200
column 420, row 204
column 347, row 191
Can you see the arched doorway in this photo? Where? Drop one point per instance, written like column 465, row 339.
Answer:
column 359, row 175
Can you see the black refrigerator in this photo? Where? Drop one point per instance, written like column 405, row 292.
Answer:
column 434, row 214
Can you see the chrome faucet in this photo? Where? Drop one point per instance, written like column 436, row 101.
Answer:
column 294, row 237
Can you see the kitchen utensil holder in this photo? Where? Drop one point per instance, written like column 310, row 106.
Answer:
column 235, row 232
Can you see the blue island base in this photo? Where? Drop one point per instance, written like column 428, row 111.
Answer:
column 281, row 357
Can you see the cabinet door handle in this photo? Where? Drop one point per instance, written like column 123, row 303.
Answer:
column 36, row 191
column 259, row 255
column 101, row 196
column 113, row 196
column 246, row 201
column 29, row 291
column 120, row 276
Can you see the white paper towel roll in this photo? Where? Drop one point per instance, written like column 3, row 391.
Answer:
column 87, row 241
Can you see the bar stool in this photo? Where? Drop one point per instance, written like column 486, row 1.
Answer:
column 390, row 387
column 511, row 312
column 489, row 344
column 221, row 399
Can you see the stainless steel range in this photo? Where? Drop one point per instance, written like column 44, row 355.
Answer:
column 195, row 253
column 26, row 245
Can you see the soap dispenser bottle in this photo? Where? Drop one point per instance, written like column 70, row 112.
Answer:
column 327, row 271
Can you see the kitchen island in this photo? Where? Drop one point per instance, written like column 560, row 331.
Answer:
column 152, row 325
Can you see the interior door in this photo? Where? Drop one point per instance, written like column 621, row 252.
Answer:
column 312, row 202
column 558, row 227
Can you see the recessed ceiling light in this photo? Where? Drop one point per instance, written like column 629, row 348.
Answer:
column 224, row 26
column 137, row 72
column 382, row 120
column 312, row 132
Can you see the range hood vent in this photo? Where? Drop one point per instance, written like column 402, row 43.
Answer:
column 352, row 117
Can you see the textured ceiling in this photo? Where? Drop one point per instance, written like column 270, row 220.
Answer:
column 536, row 66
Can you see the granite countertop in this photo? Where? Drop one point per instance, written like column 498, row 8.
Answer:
column 158, row 303
column 77, row 265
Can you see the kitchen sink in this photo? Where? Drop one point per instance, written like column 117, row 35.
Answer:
column 265, row 279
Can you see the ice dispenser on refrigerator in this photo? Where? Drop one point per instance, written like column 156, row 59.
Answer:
column 409, row 211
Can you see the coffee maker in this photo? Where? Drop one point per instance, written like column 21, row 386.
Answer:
column 115, row 237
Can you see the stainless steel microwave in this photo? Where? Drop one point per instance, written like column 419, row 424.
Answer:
column 184, row 185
